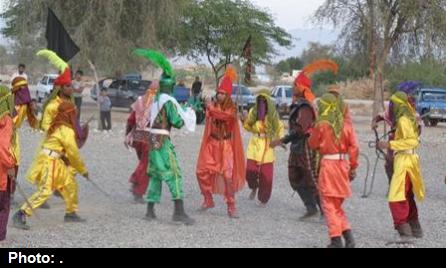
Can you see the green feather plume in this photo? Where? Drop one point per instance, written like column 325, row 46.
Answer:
column 54, row 59
column 156, row 58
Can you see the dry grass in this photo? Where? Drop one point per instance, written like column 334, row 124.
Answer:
column 361, row 89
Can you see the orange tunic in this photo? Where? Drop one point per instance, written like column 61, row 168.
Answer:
column 222, row 154
column 334, row 179
column 7, row 159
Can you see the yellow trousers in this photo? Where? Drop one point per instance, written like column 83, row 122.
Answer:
column 53, row 175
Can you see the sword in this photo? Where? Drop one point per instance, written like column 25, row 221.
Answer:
column 23, row 195
column 89, row 120
column 98, row 188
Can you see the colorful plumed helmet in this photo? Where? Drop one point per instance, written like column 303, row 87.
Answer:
column 303, row 82
column 167, row 81
column 18, row 82
column 64, row 78
column 409, row 87
column 226, row 85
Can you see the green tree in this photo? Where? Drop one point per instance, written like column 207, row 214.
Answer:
column 106, row 31
column 429, row 72
column 380, row 28
column 218, row 29
column 289, row 65
column 4, row 58
column 317, row 51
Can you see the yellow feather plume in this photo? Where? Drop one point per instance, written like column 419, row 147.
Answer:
column 54, row 59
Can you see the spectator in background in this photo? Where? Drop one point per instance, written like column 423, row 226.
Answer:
column 20, row 72
column 197, row 87
column 181, row 83
column 105, row 104
column 78, row 86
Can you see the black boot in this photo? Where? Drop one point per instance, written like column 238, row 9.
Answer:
column 405, row 231
column 19, row 221
column 417, row 231
column 311, row 214
column 336, row 242
column 349, row 239
column 150, row 215
column 73, row 218
column 180, row 216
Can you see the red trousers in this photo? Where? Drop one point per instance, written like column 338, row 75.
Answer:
column 139, row 178
column 260, row 177
column 337, row 221
column 405, row 211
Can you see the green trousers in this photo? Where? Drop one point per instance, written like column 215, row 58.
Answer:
column 164, row 166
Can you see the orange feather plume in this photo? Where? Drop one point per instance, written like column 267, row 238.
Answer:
column 231, row 73
column 321, row 66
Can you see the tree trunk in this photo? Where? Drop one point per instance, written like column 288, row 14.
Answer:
column 378, row 105
column 98, row 92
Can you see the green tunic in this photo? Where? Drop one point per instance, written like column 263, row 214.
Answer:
column 163, row 165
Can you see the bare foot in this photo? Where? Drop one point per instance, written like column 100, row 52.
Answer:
column 261, row 205
column 253, row 195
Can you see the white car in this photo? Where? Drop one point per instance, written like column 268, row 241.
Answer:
column 45, row 86
column 283, row 97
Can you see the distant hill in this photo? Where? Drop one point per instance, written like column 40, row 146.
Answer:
column 302, row 37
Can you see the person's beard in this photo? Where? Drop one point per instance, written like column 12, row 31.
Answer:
column 65, row 96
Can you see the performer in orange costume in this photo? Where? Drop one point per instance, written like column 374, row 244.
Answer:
column 7, row 158
column 221, row 166
column 335, row 140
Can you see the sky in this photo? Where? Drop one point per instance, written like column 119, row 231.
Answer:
column 291, row 14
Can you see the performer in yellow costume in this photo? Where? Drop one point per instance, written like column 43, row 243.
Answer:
column 407, row 181
column 264, row 123
column 59, row 144
column 62, row 91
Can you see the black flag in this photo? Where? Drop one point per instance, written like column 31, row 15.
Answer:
column 247, row 54
column 58, row 38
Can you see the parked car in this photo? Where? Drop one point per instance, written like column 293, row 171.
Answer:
column 122, row 93
column 431, row 104
column 247, row 99
column 132, row 77
column 45, row 86
column 283, row 97
column 181, row 94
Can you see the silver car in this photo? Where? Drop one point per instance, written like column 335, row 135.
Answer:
column 243, row 97
column 45, row 86
column 283, row 97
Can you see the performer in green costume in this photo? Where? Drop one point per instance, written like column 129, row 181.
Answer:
column 163, row 166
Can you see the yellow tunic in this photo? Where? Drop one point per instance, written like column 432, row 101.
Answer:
column 52, row 173
column 50, row 113
column 259, row 149
column 48, row 117
column 406, row 162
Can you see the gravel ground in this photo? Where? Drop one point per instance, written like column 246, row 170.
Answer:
column 117, row 222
